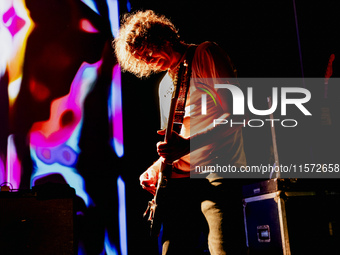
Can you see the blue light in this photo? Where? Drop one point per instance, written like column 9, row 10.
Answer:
column 128, row 5
column 92, row 5
column 119, row 147
column 110, row 249
column 114, row 16
column 122, row 215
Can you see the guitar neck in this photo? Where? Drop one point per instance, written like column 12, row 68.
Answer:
column 168, row 132
column 170, row 124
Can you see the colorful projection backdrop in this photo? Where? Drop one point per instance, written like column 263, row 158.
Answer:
column 53, row 55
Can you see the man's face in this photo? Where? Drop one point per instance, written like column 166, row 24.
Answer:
column 159, row 60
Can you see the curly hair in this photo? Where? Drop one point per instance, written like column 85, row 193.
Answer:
column 139, row 30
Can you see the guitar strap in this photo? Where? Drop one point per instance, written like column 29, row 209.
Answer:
column 184, row 88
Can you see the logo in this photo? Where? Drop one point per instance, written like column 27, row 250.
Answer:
column 285, row 97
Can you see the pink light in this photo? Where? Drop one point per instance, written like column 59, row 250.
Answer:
column 116, row 111
column 2, row 171
column 86, row 26
column 62, row 154
column 54, row 143
column 13, row 164
column 65, row 114
column 12, row 21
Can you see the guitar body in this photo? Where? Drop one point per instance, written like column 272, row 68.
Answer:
column 158, row 202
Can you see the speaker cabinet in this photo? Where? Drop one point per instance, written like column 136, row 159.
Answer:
column 38, row 221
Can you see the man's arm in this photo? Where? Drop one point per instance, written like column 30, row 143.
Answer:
column 149, row 178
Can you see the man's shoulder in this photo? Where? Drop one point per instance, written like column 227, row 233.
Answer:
column 209, row 48
column 207, row 45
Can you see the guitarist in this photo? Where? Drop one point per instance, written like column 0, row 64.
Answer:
column 149, row 43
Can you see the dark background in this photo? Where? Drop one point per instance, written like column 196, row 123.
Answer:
column 261, row 39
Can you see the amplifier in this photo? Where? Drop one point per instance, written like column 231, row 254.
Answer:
column 292, row 216
column 38, row 221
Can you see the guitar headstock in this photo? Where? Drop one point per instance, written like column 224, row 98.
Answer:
column 329, row 70
column 325, row 111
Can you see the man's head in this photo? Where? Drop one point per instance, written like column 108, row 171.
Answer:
column 143, row 38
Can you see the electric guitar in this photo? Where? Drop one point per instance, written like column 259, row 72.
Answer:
column 165, row 169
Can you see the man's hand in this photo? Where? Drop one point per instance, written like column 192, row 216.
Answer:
column 148, row 180
column 174, row 149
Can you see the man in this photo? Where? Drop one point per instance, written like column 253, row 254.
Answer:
column 149, row 43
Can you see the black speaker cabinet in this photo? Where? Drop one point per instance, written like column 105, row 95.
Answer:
column 298, row 217
column 38, row 221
